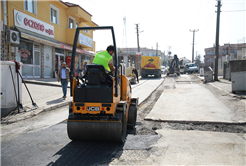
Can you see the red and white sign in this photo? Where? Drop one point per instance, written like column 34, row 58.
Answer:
column 1, row 25
column 67, row 47
column 139, row 54
column 32, row 24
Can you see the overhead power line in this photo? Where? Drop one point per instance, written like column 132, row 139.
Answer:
column 209, row 21
column 234, row 11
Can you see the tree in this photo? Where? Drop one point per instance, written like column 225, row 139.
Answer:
column 198, row 61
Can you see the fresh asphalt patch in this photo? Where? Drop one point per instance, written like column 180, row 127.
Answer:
column 140, row 142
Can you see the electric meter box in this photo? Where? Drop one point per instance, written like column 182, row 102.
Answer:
column 8, row 98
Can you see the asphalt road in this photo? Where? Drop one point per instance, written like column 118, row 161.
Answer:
column 43, row 140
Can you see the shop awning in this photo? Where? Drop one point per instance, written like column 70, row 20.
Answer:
column 83, row 51
column 39, row 38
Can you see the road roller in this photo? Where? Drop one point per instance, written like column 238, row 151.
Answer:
column 100, row 111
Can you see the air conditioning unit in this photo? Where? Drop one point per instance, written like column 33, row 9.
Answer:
column 13, row 37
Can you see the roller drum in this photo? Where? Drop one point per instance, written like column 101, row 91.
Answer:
column 97, row 131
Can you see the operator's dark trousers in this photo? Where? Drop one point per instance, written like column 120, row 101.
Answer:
column 64, row 86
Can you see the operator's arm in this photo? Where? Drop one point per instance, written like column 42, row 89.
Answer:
column 111, row 66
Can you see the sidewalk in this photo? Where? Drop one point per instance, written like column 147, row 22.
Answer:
column 46, row 93
column 224, row 85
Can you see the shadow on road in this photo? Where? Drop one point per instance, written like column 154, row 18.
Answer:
column 60, row 100
column 87, row 153
column 150, row 77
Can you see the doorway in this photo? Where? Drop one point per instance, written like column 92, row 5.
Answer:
column 59, row 59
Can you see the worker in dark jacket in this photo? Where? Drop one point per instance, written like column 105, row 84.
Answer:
column 134, row 71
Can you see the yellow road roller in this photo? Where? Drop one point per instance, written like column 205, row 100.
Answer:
column 99, row 111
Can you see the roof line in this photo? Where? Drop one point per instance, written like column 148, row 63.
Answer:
column 75, row 6
column 94, row 23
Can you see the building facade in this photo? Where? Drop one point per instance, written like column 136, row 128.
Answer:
column 40, row 34
column 227, row 52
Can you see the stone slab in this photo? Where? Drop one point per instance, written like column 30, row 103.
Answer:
column 191, row 103
column 201, row 148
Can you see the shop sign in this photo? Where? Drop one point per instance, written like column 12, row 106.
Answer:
column 1, row 25
column 85, row 40
column 32, row 24
column 139, row 54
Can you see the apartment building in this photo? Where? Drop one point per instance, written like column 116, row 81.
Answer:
column 40, row 34
column 227, row 52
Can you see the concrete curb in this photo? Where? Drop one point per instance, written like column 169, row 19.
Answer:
column 194, row 122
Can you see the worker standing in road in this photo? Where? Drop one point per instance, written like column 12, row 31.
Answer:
column 63, row 76
column 134, row 71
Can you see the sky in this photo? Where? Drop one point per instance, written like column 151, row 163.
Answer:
column 167, row 22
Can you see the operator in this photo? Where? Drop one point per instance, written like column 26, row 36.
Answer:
column 105, row 59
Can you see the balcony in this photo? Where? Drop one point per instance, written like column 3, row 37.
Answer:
column 76, row 11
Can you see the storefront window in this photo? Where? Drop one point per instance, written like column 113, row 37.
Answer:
column 60, row 51
column 87, row 57
column 25, row 51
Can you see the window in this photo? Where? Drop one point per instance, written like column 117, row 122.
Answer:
column 72, row 22
column 76, row 24
column 25, row 50
column 210, row 53
column 31, row 6
column 87, row 31
column 54, row 14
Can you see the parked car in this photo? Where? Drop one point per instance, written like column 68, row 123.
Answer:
column 190, row 68
column 163, row 69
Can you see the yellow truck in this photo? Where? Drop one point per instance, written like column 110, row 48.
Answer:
column 151, row 65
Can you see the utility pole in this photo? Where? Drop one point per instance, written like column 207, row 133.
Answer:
column 138, row 37
column 139, row 58
column 217, row 41
column 193, row 43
